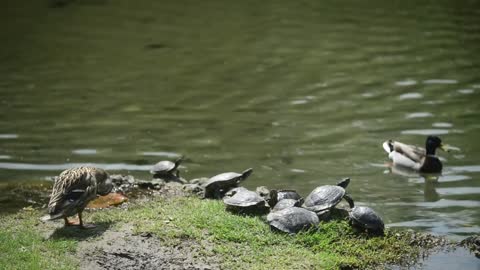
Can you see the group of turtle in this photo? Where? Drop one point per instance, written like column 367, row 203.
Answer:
column 286, row 210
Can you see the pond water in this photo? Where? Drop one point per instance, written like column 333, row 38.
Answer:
column 305, row 92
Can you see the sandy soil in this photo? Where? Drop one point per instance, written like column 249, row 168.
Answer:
column 121, row 249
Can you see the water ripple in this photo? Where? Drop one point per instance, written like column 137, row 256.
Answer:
column 440, row 81
column 458, row 190
column 85, row 151
column 162, row 154
column 406, row 83
column 57, row 167
column 465, row 91
column 425, row 131
column 412, row 95
column 418, row 115
column 442, row 125
column 471, row 168
column 8, row 136
column 442, row 203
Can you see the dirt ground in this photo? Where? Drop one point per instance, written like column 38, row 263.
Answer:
column 121, row 249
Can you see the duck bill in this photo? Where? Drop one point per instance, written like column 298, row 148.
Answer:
column 445, row 147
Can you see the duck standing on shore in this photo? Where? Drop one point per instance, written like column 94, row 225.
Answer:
column 414, row 157
column 72, row 191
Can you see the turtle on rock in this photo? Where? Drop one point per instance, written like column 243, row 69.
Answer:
column 364, row 218
column 218, row 185
column 323, row 198
column 292, row 220
column 168, row 170
column 243, row 201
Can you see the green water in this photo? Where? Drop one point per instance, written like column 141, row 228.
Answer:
column 305, row 92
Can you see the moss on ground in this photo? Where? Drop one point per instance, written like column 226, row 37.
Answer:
column 241, row 242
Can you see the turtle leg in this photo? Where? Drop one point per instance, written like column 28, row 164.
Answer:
column 349, row 199
column 84, row 226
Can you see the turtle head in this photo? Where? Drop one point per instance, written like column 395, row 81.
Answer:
column 344, row 182
column 272, row 199
column 179, row 160
column 246, row 173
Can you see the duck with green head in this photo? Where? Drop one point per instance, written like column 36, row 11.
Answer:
column 416, row 158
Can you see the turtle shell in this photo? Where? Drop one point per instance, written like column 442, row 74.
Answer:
column 285, row 203
column 165, row 166
column 292, row 220
column 366, row 218
column 224, row 181
column 288, row 194
column 324, row 197
column 244, row 200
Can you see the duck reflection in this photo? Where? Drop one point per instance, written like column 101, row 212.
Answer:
column 430, row 181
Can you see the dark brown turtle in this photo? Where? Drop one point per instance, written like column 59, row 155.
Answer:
column 218, row 185
column 166, row 168
column 243, row 201
column 292, row 220
column 323, row 198
column 286, row 203
column 365, row 218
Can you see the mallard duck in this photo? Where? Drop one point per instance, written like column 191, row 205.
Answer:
column 415, row 157
column 72, row 191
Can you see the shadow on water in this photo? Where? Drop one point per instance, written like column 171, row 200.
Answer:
column 75, row 232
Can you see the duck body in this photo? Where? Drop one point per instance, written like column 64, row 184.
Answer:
column 72, row 191
column 416, row 158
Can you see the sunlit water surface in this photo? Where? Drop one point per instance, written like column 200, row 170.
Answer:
column 304, row 92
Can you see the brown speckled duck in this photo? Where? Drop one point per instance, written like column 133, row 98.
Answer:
column 414, row 157
column 72, row 191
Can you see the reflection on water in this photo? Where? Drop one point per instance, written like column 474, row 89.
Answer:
column 440, row 81
column 303, row 91
column 426, row 132
column 442, row 125
column 85, row 151
column 419, row 115
column 61, row 167
column 413, row 95
column 8, row 136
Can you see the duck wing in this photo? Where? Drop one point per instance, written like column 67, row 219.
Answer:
column 71, row 188
column 415, row 153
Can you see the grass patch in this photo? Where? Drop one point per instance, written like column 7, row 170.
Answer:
column 246, row 242
column 23, row 247
column 240, row 242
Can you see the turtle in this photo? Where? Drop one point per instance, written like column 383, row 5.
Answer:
column 270, row 196
column 167, row 170
column 324, row 198
column 285, row 203
column 291, row 220
column 243, row 201
column 219, row 184
column 288, row 194
column 365, row 218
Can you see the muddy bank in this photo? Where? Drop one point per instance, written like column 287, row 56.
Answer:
column 117, row 243
column 122, row 249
